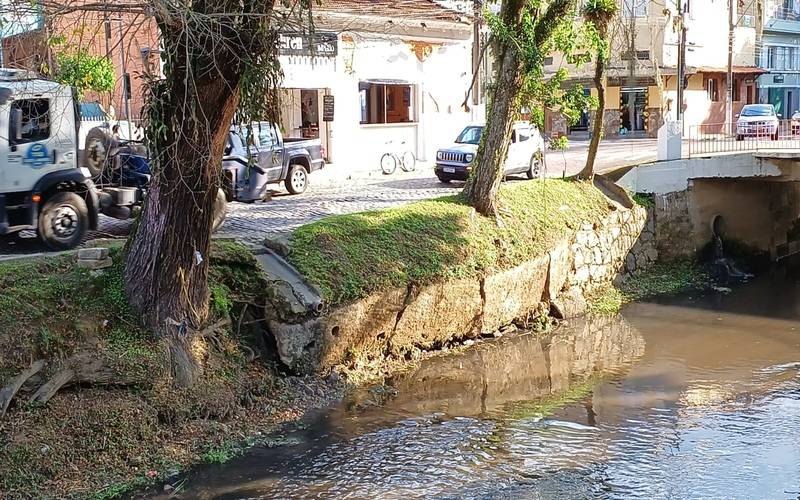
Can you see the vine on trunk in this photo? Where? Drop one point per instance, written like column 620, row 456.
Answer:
column 524, row 33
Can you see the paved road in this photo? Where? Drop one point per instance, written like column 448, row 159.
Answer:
column 335, row 191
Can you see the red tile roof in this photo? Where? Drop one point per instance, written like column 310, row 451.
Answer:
column 422, row 10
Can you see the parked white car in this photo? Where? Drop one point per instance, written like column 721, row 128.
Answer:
column 525, row 153
column 757, row 120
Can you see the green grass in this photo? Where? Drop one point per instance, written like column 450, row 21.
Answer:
column 605, row 300
column 351, row 256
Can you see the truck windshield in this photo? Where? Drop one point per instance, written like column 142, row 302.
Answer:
column 470, row 135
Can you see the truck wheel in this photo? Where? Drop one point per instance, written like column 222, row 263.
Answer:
column 297, row 179
column 220, row 211
column 95, row 151
column 63, row 221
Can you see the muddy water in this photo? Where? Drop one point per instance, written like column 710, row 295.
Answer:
column 688, row 398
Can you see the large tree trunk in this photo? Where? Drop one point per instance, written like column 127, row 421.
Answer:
column 191, row 111
column 597, row 129
column 482, row 187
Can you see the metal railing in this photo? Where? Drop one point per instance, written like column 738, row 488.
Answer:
column 717, row 138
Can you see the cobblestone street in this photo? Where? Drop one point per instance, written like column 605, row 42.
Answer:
column 335, row 190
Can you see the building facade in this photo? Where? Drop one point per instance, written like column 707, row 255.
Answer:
column 780, row 56
column 386, row 73
column 643, row 70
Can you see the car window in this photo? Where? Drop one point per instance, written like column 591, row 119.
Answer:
column 513, row 137
column 523, row 134
column 32, row 116
column 265, row 137
column 758, row 111
column 470, row 135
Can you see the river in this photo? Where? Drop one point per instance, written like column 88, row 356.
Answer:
column 690, row 397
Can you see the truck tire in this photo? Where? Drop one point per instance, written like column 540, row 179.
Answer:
column 63, row 221
column 297, row 179
column 220, row 211
column 95, row 151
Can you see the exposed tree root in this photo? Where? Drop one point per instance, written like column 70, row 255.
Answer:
column 9, row 391
column 81, row 368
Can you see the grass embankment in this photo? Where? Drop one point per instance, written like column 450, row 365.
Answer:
column 660, row 279
column 352, row 256
column 98, row 441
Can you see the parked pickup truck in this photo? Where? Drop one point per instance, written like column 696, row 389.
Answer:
column 271, row 158
column 525, row 153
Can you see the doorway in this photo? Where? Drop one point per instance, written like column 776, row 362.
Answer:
column 301, row 116
column 633, row 101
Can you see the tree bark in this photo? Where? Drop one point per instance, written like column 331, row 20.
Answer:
column 484, row 183
column 166, row 272
column 482, row 187
column 597, row 127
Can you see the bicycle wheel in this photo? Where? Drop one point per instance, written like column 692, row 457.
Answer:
column 388, row 163
column 408, row 162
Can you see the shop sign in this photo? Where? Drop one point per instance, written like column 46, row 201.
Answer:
column 304, row 44
column 777, row 78
column 327, row 108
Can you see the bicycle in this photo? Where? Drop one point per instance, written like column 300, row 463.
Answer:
column 390, row 160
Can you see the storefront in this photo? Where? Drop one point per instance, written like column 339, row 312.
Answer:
column 366, row 93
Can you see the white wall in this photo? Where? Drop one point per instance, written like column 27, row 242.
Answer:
column 439, row 82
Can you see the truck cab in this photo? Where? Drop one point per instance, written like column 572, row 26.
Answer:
column 42, row 187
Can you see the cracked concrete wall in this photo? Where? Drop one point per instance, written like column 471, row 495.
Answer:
column 400, row 322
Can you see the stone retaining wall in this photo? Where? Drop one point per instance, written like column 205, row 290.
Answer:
column 400, row 322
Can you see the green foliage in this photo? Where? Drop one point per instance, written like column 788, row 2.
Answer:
column 221, row 302
column 599, row 14
column 645, row 200
column 351, row 256
column 219, row 454
column 540, row 33
column 84, row 72
column 559, row 143
column 605, row 300
column 665, row 278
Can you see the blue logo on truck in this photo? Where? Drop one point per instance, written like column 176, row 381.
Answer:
column 37, row 156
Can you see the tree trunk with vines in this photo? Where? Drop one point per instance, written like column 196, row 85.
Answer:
column 190, row 113
column 483, row 185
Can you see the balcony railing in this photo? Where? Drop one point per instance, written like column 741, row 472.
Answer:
column 716, row 138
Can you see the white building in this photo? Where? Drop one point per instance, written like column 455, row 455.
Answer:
column 389, row 71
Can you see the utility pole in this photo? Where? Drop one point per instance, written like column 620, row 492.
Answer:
column 681, row 60
column 729, row 93
column 476, row 50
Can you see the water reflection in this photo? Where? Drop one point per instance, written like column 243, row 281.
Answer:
column 690, row 399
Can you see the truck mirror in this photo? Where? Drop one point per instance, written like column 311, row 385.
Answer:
column 16, row 124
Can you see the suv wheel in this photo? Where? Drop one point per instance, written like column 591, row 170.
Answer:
column 535, row 167
column 63, row 221
column 297, row 179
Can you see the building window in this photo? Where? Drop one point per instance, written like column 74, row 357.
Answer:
column 30, row 121
column 737, row 90
column 386, row 103
column 548, row 61
column 712, row 87
column 634, row 8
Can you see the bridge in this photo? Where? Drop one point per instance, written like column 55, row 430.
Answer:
column 752, row 198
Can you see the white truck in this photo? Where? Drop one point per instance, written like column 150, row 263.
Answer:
column 42, row 185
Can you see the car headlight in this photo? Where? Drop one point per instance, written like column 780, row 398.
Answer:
column 469, row 157
column 439, row 155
